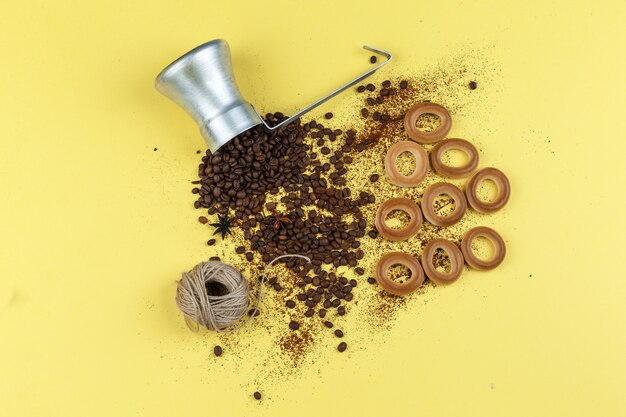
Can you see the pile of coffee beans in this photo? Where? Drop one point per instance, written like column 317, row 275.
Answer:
column 322, row 219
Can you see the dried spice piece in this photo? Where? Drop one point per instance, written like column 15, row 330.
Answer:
column 278, row 220
column 223, row 225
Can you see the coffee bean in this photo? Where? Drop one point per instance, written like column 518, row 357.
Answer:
column 360, row 88
column 373, row 233
column 370, row 87
column 240, row 249
column 257, row 395
column 328, row 324
column 203, row 220
column 373, row 60
column 341, row 310
column 348, row 297
column 365, row 112
column 325, row 150
column 359, row 271
column 249, row 256
column 215, row 258
column 336, row 302
column 217, row 350
column 473, row 85
column 290, row 303
column 294, row 325
column 374, row 177
column 386, row 84
column 309, row 312
column 210, row 242
column 338, row 333
column 342, row 346
column 322, row 313
column 256, row 312
column 404, row 84
column 328, row 115
column 277, row 287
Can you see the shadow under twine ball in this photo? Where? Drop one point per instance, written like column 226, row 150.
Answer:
column 214, row 295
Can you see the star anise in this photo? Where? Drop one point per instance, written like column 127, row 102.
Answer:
column 279, row 220
column 223, row 225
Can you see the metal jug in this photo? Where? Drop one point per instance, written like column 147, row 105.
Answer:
column 202, row 82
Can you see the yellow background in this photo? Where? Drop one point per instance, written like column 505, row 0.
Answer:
column 95, row 226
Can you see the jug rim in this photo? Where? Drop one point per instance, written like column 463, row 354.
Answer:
column 172, row 67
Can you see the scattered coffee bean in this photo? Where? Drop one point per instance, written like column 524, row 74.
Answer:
column 338, row 333
column 404, row 84
column 342, row 346
column 386, row 84
column 322, row 313
column 328, row 324
column 294, row 325
column 371, row 280
column 373, row 59
column 240, row 249
column 309, row 312
column 341, row 310
column 373, row 233
column 217, row 350
column 473, row 85
column 203, row 220
column 249, row 256
column 211, row 242
column 360, row 88
column 359, row 271
column 365, row 112
column 328, row 115
column 370, row 87
column 374, row 177
column 290, row 303
column 257, row 395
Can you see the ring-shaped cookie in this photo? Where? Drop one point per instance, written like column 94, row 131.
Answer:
column 406, row 205
column 393, row 287
column 421, row 164
column 437, row 189
column 495, row 239
column 456, row 261
column 427, row 137
column 454, row 172
column 502, row 184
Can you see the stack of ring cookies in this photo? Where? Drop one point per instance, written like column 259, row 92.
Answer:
column 423, row 161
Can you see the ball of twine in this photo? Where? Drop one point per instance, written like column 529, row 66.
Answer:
column 216, row 295
column 213, row 294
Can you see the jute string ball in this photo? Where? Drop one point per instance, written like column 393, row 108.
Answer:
column 216, row 295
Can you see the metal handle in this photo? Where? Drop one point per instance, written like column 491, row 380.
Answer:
column 334, row 93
